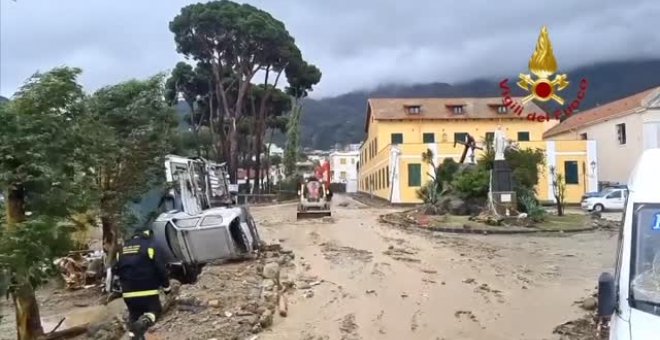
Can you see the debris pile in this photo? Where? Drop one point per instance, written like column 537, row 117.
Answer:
column 584, row 328
column 234, row 300
column 81, row 269
column 602, row 223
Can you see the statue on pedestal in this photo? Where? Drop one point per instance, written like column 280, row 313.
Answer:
column 500, row 143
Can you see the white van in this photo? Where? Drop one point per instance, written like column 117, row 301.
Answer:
column 630, row 300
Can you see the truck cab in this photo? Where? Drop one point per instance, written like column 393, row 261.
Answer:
column 629, row 299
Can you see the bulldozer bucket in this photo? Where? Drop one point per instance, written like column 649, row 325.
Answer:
column 309, row 214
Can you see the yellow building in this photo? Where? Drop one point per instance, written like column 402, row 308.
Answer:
column 400, row 130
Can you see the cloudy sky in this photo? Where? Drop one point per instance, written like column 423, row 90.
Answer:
column 357, row 44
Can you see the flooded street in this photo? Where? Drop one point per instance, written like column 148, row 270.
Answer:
column 358, row 279
column 385, row 283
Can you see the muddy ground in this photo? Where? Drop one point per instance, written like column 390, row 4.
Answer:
column 353, row 278
column 386, row 283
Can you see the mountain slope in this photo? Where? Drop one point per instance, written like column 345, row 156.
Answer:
column 341, row 119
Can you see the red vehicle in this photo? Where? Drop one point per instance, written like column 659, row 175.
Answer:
column 322, row 173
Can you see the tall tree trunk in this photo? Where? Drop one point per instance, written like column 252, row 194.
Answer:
column 28, row 319
column 15, row 207
column 233, row 151
column 257, row 153
column 111, row 235
column 268, row 164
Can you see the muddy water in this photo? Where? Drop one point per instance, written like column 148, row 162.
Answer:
column 385, row 283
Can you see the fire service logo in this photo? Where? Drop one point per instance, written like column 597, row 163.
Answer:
column 541, row 85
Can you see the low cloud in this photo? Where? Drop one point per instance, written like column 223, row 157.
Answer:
column 356, row 44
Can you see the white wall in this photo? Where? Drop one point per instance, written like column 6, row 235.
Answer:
column 349, row 168
column 616, row 161
column 651, row 122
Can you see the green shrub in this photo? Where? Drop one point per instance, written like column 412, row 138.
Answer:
column 446, row 171
column 472, row 183
column 430, row 192
column 531, row 206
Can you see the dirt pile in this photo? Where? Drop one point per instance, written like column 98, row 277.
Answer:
column 584, row 328
column 230, row 301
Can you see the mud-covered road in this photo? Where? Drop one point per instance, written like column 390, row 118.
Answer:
column 355, row 278
column 380, row 282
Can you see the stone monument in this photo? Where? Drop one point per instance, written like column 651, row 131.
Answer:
column 502, row 193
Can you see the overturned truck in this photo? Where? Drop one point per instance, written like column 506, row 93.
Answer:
column 199, row 221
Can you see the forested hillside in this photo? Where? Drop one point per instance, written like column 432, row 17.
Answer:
column 341, row 119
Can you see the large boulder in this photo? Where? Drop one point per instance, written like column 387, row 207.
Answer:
column 455, row 205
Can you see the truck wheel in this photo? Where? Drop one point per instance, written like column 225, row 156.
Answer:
column 599, row 207
column 186, row 274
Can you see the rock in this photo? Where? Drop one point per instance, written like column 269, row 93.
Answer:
column 266, row 318
column 303, row 285
column 589, row 304
column 213, row 303
column 271, row 271
column 228, row 314
column 272, row 247
column 309, row 293
column 270, row 297
column 458, row 206
column 268, row 284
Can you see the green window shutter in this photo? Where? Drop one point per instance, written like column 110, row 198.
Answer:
column 523, row 136
column 460, row 136
column 414, row 175
column 429, row 137
column 571, row 172
column 397, row 138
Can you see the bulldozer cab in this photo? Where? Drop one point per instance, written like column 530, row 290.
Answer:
column 313, row 190
column 313, row 199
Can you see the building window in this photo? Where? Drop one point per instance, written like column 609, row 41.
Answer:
column 523, row 136
column 414, row 109
column 458, row 109
column 583, row 136
column 502, row 109
column 352, row 160
column 397, row 138
column 414, row 175
column 428, row 137
column 621, row 133
column 342, row 175
column 571, row 172
column 460, row 136
column 342, row 161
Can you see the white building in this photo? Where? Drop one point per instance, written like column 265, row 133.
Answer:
column 343, row 168
column 276, row 150
column 623, row 129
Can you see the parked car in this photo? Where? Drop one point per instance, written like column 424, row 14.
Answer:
column 608, row 199
column 598, row 193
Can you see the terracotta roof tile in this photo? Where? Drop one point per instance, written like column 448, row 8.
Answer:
column 441, row 108
column 617, row 108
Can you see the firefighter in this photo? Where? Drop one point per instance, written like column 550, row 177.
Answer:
column 141, row 271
